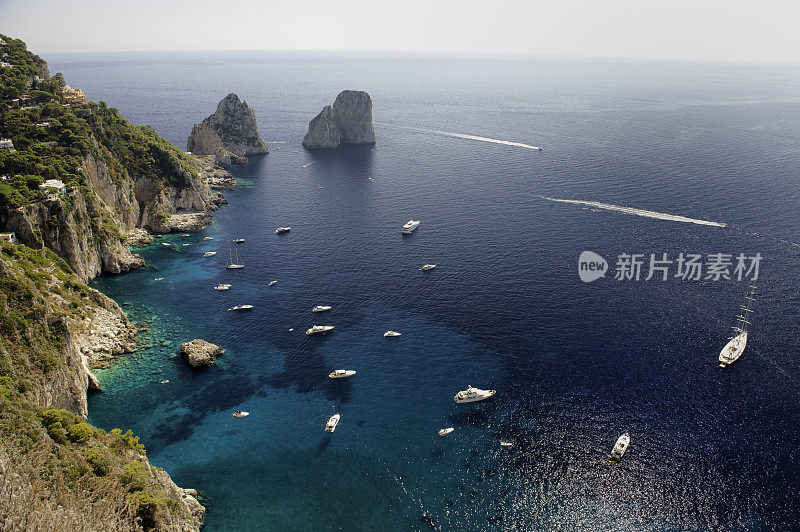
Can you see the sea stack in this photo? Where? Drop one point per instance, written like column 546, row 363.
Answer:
column 230, row 134
column 349, row 121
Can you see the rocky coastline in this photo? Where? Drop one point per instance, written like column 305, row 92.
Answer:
column 348, row 121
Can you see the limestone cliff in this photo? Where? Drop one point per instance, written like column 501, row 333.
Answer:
column 230, row 134
column 348, row 121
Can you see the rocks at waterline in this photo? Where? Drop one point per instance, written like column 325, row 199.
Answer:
column 200, row 353
column 230, row 134
column 348, row 121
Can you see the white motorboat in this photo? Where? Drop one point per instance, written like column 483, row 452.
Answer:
column 165, row 244
column 332, row 422
column 306, row 165
column 320, row 308
column 234, row 265
column 209, row 253
column 472, row 395
column 185, row 244
column 271, row 283
column 410, row 226
column 158, row 279
column 428, row 267
column 620, row 447
column 239, row 241
column 165, row 381
column 241, row 307
column 186, row 234
column 222, row 287
column 241, row 413
column 342, row 373
column 445, row 432
column 738, row 340
column 506, row 444
column 281, row 230
column 316, row 329
column 391, row 334
column 208, row 238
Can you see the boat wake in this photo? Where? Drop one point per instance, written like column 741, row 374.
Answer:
column 638, row 212
column 470, row 137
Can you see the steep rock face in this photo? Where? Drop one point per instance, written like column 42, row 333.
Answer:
column 348, row 121
column 200, row 353
column 230, row 134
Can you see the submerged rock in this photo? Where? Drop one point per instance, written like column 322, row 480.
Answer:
column 200, row 353
column 348, row 121
column 230, row 134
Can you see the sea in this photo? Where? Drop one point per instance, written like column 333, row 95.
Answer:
column 646, row 152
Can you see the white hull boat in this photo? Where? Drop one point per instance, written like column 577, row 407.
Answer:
column 332, row 422
column 342, row 373
column 620, row 447
column 391, row 334
column 222, row 287
column 428, row 267
column 239, row 241
column 209, row 253
column 738, row 341
column 281, row 230
column 445, row 432
column 410, row 226
column 272, row 283
column 316, row 329
column 320, row 308
column 241, row 307
column 472, row 395
column 234, row 265
column 241, row 413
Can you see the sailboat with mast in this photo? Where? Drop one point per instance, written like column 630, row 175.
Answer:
column 738, row 340
column 234, row 265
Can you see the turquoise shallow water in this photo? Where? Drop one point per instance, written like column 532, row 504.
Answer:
column 574, row 364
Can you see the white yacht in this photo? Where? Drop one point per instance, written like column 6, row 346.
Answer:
column 280, row 230
column 410, row 226
column 320, row 308
column 428, row 267
column 620, row 447
column 332, row 422
column 471, row 395
column 222, row 286
column 208, row 238
column 506, row 444
column 391, row 334
column 316, row 329
column 165, row 244
column 241, row 307
column 239, row 241
column 342, row 373
column 272, row 283
column 234, row 265
column 209, row 253
column 445, row 432
column 241, row 413
column 738, row 341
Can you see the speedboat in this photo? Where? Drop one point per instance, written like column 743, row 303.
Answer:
column 320, row 308
column 281, row 230
column 390, row 334
column 165, row 244
column 471, row 395
column 239, row 241
column 620, row 447
column 222, row 287
column 428, row 267
column 209, row 253
column 240, row 413
column 158, row 279
column 319, row 329
column 506, row 444
column 185, row 244
column 445, row 432
column 306, row 165
column 241, row 307
column 272, row 283
column 186, row 234
column 342, row 373
column 165, row 381
column 332, row 422
column 208, row 238
column 410, row 226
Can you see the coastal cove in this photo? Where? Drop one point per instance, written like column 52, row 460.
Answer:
column 575, row 365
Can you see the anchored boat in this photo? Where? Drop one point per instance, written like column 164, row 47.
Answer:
column 320, row 308
column 445, row 432
column 342, row 373
column 241, row 307
column 281, row 230
column 234, row 265
column 316, row 329
column 332, row 422
column 472, row 395
column 410, row 226
column 620, row 447
column 391, row 334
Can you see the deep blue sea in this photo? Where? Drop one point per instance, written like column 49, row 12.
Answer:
column 574, row 364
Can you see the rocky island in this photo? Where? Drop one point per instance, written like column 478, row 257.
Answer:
column 200, row 353
column 348, row 121
column 230, row 134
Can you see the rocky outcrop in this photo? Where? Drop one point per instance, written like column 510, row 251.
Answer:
column 200, row 353
column 348, row 121
column 230, row 134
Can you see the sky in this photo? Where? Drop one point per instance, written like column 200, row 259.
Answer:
column 702, row 30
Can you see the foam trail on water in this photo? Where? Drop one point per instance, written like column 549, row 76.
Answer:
column 470, row 137
column 638, row 212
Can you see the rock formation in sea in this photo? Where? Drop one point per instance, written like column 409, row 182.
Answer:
column 348, row 121
column 200, row 353
column 230, row 134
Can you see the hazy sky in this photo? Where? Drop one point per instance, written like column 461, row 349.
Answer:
column 728, row 30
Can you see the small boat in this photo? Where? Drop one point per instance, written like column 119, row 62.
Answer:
column 371, row 178
column 428, row 267
column 209, row 253
column 272, row 283
column 506, row 444
column 332, row 422
column 445, row 432
column 222, row 287
column 472, row 395
column 292, row 329
column 391, row 334
column 165, row 381
column 306, row 165
column 240, row 413
column 186, row 234
column 208, row 238
column 619, row 448
column 158, row 279
column 410, row 226
column 239, row 241
column 342, row 373
column 241, row 307
column 319, row 329
column 281, row 230
column 185, row 244
column 165, row 243
column 320, row 308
